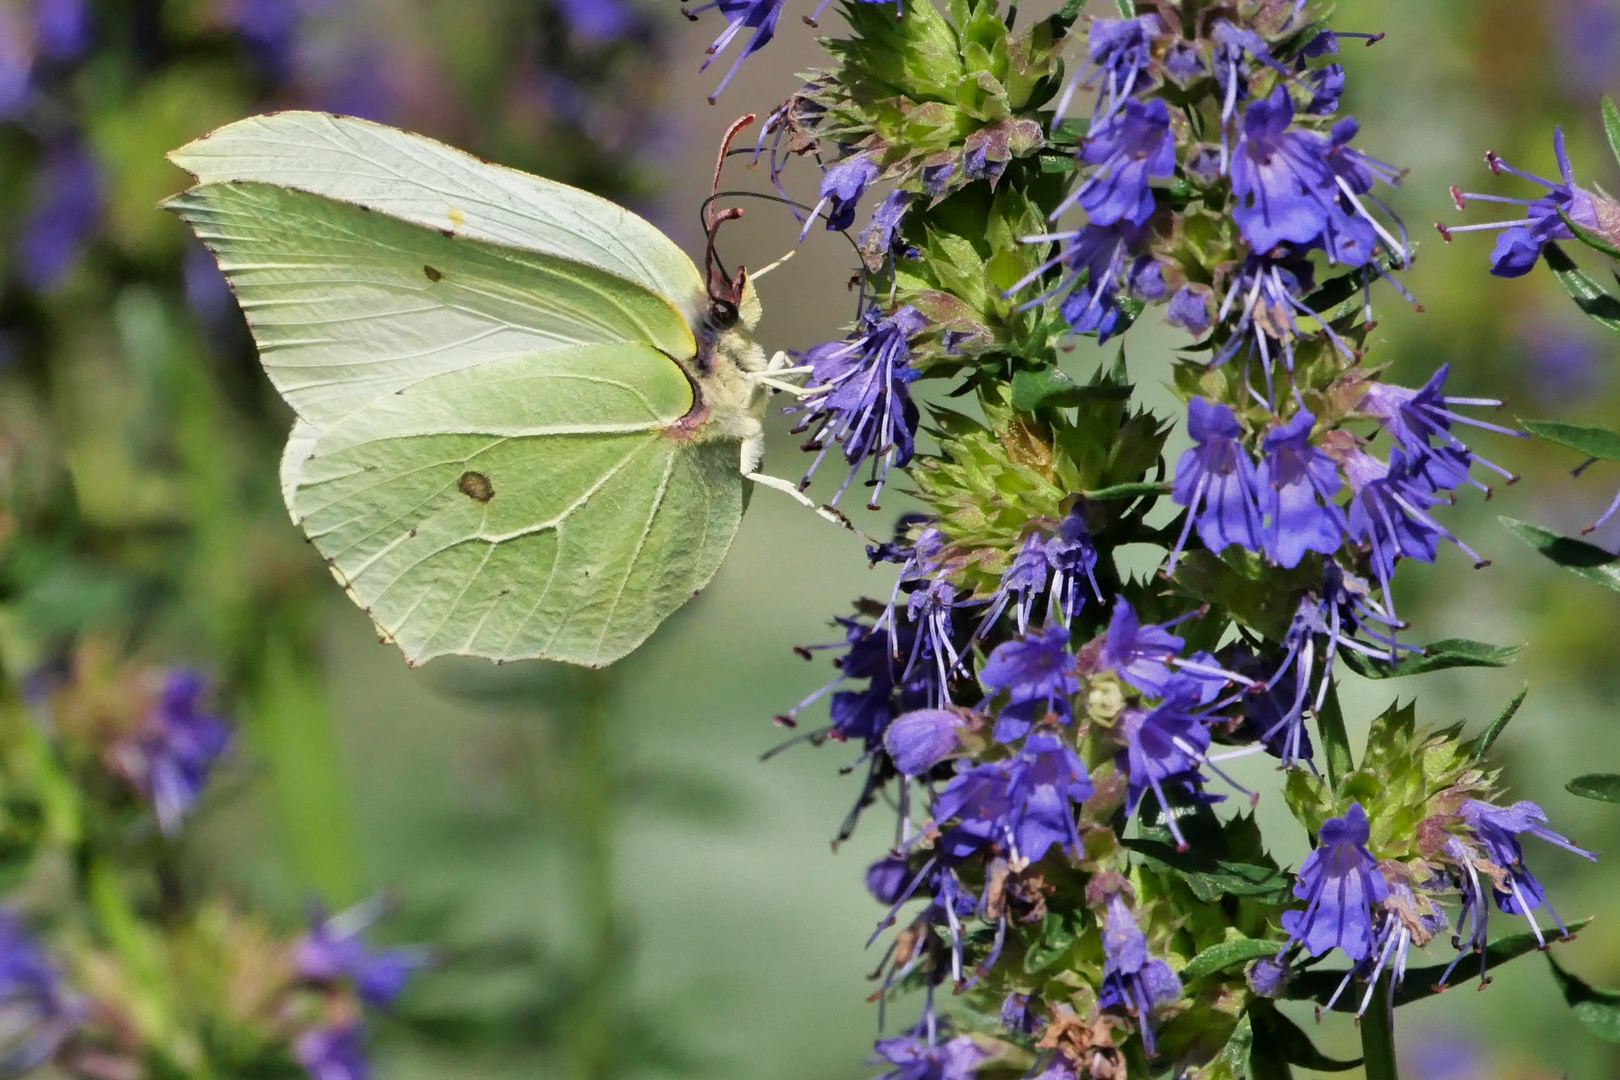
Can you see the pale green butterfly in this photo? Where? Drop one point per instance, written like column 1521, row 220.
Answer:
column 525, row 423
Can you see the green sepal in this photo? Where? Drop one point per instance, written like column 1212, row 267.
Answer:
column 1281, row 1035
column 1598, row 1010
column 1593, row 240
column 1578, row 557
column 1603, row 787
column 1127, row 491
column 1487, row 738
column 1127, row 8
column 1450, row 653
column 1594, row 442
column 1240, row 950
column 1318, row 986
column 1591, row 299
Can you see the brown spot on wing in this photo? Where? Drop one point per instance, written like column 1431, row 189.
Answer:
column 476, row 486
column 433, row 275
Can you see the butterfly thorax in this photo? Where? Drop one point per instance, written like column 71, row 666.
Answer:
column 728, row 401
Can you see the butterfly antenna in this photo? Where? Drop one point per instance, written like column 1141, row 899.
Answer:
column 723, row 287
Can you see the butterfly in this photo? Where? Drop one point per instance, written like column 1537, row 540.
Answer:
column 526, row 424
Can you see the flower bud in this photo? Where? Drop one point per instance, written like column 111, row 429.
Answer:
column 887, row 879
column 917, row 741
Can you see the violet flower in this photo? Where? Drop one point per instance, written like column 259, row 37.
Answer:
column 334, row 950
column 1133, row 979
column 858, row 397
column 1520, row 245
column 1340, row 883
column 919, row 740
column 337, row 1052
column 915, row 1058
column 171, row 760
column 1133, row 147
column 1038, row 672
column 1297, row 485
column 1216, row 482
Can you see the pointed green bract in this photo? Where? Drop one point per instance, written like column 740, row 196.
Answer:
column 498, row 450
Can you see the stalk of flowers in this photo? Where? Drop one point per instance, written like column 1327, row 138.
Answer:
column 1054, row 732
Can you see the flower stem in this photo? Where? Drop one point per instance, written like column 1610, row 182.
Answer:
column 1378, row 1035
column 588, row 739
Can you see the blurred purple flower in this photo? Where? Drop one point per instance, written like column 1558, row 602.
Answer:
column 62, row 28
column 36, row 1012
column 334, row 949
column 171, row 760
column 335, row 1053
column 598, row 20
column 1589, row 41
column 66, row 213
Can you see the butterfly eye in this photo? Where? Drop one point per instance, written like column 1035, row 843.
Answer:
column 722, row 314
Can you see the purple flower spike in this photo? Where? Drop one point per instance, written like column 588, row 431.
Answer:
column 1499, row 829
column 598, row 20
column 65, row 216
column 1163, row 750
column 1100, row 263
column 1340, row 883
column 842, row 186
column 1519, row 246
column 919, row 740
column 1139, row 654
column 914, row 1058
column 1189, row 309
column 1420, row 422
column 858, row 397
column 1389, row 511
column 1121, row 54
column 1044, row 783
column 1216, row 482
column 1297, row 485
column 1133, row 979
column 1038, row 672
column 1133, row 147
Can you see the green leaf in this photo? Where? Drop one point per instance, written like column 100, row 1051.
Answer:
column 1051, row 387
column 1591, row 299
column 1229, row 954
column 1127, row 8
column 1420, row 983
column 1211, row 879
column 1591, row 441
column 1057, row 934
column 1611, row 125
column 1232, row 1063
column 1330, row 724
column 1282, row 1035
column 1487, row 738
column 1450, row 653
column 1604, row 787
column 1597, row 1010
column 1578, row 557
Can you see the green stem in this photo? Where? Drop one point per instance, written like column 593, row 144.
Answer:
column 1336, row 742
column 587, row 735
column 1378, row 1035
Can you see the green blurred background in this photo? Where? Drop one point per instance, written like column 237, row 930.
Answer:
column 678, row 900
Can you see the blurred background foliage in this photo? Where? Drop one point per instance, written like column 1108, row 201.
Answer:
column 614, row 884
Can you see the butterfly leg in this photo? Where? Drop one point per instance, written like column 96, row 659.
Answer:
column 753, row 452
column 777, row 368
